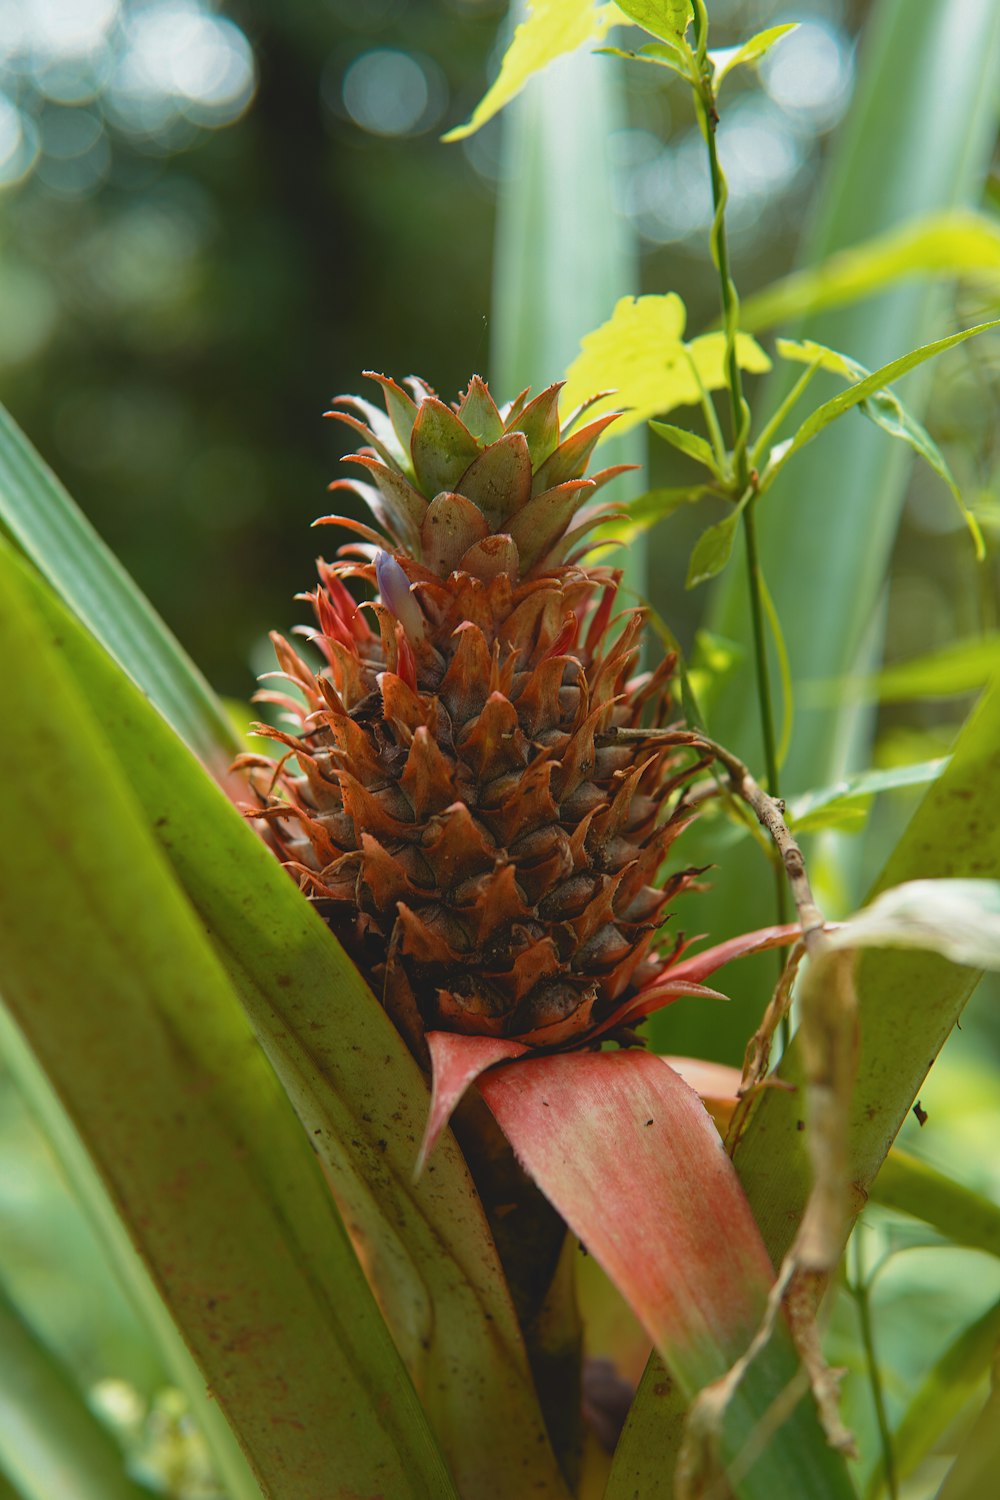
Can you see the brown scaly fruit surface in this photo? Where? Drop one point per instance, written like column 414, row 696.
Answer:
column 449, row 796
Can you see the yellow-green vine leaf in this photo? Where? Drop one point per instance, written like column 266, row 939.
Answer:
column 639, row 356
column 551, row 29
column 689, row 443
column 728, row 58
column 959, row 243
column 667, row 19
column 882, row 406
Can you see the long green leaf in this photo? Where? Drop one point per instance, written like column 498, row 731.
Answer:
column 911, row 1186
column 944, row 244
column 108, row 973
column 47, row 526
column 916, row 141
column 356, row 1089
column 974, row 1472
column 228, row 1459
column 908, row 1001
column 51, row 1444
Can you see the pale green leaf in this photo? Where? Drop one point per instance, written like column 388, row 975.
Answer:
column 959, row 243
column 885, row 409
column 726, row 59
column 667, row 19
column 690, row 443
column 960, row 919
column 639, row 356
column 848, row 800
column 552, row 28
column 712, row 550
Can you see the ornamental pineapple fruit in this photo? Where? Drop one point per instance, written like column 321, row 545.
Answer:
column 453, row 796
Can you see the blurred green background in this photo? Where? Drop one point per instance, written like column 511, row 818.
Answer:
column 212, row 218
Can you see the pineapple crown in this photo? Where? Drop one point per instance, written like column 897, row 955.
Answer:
column 474, row 486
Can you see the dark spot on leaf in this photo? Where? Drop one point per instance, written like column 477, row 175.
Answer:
column 649, row 1122
column 921, row 1114
column 800, row 1124
column 283, row 980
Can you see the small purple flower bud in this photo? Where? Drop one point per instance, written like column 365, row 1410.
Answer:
column 394, row 588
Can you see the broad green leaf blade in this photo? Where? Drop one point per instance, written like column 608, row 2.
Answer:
column 751, row 52
column 847, row 800
column 941, row 1396
column 973, row 1474
column 52, row 1445
column 916, row 141
column 108, row 973
column 957, row 243
column 908, row 1001
column 38, row 514
column 228, row 1459
column 690, row 443
column 673, row 1233
column 640, row 357
column 884, row 408
column 551, row 29
column 914, row 1187
column 356, row 1089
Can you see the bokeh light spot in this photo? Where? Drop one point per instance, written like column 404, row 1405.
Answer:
column 387, row 92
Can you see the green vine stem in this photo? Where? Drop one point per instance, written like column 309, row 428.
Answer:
column 744, row 478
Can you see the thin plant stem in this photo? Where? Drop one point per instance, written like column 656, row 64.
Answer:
column 740, row 421
column 860, row 1290
column 760, row 447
